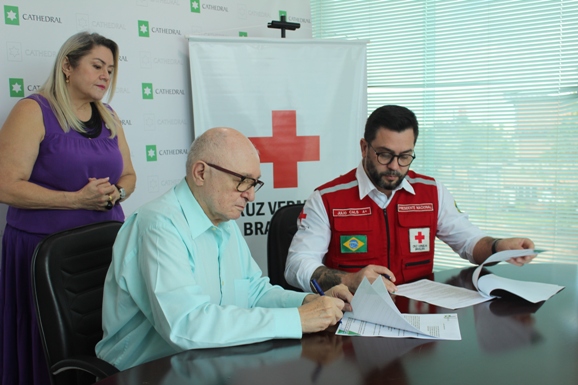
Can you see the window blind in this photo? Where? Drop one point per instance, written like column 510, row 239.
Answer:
column 494, row 85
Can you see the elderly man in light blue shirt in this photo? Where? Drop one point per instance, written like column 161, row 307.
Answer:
column 182, row 276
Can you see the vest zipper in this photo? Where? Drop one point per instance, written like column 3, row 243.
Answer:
column 387, row 238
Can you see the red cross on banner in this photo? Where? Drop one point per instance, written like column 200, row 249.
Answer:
column 284, row 149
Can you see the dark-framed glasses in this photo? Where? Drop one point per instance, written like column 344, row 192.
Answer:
column 385, row 158
column 245, row 183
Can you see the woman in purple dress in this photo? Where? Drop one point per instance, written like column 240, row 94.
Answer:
column 64, row 163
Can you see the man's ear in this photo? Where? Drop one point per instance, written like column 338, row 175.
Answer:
column 364, row 147
column 198, row 172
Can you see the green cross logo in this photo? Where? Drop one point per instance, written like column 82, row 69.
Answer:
column 11, row 15
column 195, row 6
column 143, row 28
column 147, row 91
column 16, row 87
column 243, row 34
column 151, row 152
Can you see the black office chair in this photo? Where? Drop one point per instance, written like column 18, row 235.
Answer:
column 282, row 228
column 68, row 272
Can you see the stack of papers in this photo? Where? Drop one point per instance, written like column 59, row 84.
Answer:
column 375, row 315
column 530, row 291
column 452, row 297
column 441, row 294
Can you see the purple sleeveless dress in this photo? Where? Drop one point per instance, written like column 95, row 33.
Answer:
column 65, row 162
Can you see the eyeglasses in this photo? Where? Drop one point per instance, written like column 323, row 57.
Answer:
column 245, row 183
column 385, row 158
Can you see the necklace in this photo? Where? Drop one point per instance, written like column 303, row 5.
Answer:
column 93, row 126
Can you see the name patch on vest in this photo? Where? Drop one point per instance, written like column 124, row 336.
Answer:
column 352, row 212
column 353, row 243
column 419, row 240
column 415, row 207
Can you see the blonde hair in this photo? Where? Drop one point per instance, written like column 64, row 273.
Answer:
column 55, row 91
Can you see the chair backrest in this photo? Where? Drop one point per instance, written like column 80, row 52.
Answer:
column 282, row 228
column 68, row 273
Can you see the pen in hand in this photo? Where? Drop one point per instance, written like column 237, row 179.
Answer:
column 389, row 279
column 317, row 288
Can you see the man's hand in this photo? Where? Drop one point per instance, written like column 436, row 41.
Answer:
column 319, row 313
column 371, row 272
column 516, row 244
column 343, row 293
column 483, row 249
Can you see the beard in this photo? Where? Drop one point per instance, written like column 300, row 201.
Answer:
column 378, row 177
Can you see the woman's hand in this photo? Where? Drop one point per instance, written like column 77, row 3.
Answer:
column 97, row 194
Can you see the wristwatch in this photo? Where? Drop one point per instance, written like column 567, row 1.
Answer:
column 120, row 191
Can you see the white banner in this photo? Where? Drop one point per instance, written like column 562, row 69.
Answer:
column 303, row 103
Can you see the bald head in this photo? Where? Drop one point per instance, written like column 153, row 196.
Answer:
column 218, row 161
column 218, row 145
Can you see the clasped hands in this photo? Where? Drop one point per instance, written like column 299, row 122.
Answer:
column 98, row 194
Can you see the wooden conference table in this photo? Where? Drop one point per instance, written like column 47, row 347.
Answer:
column 504, row 341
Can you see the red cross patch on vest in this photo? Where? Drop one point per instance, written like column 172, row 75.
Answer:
column 419, row 240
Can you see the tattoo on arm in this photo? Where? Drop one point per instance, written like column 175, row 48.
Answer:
column 327, row 278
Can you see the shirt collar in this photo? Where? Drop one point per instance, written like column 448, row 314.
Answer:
column 366, row 186
column 198, row 221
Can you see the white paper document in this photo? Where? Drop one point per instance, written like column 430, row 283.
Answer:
column 441, row 294
column 374, row 314
column 452, row 297
column 530, row 291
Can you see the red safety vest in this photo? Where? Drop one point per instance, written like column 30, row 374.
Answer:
column 401, row 237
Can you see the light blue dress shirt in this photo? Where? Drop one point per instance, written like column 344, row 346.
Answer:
column 178, row 282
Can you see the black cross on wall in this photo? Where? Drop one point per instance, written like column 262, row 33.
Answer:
column 283, row 25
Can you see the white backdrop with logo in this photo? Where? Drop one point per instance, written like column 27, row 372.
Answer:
column 153, row 96
column 303, row 103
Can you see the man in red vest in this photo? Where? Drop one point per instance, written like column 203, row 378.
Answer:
column 380, row 220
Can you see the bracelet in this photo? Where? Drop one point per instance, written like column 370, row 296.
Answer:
column 121, row 192
column 494, row 251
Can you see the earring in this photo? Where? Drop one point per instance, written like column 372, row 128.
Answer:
column 67, row 79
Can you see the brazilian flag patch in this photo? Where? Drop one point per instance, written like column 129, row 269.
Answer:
column 353, row 243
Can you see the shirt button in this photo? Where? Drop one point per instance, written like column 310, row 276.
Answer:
column 222, row 283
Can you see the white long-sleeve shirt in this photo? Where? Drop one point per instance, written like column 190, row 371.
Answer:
column 311, row 242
